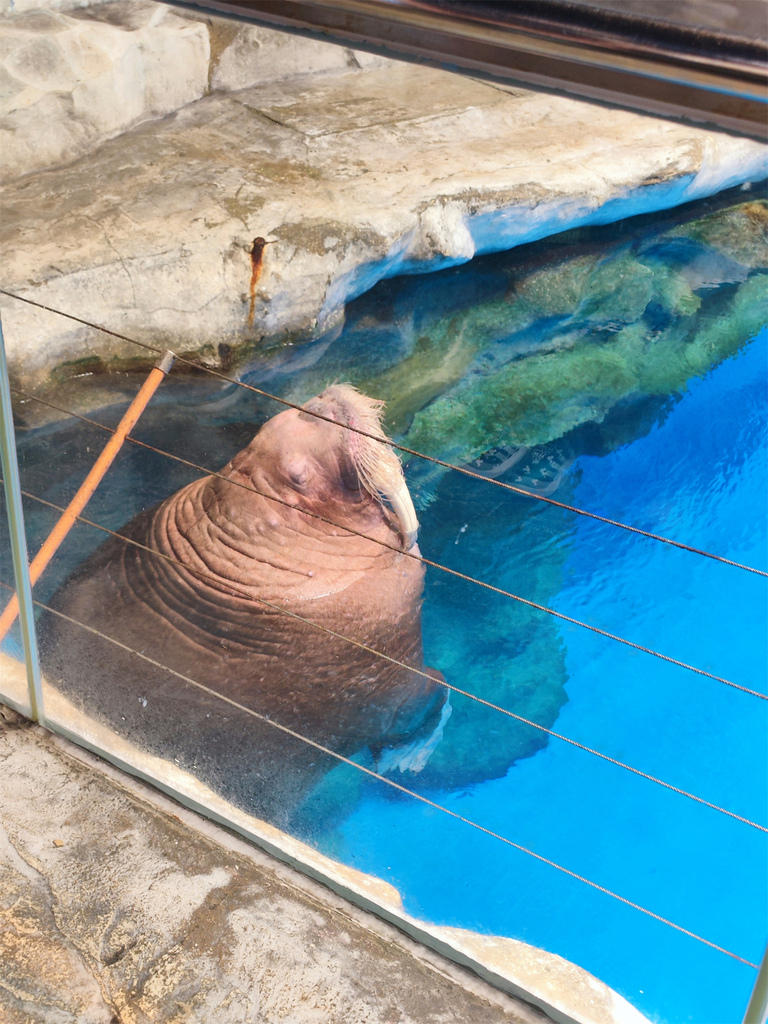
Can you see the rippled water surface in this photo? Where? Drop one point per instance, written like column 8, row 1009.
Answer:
column 620, row 371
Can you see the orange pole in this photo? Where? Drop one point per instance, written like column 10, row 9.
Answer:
column 69, row 516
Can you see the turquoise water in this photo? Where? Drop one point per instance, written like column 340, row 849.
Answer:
column 699, row 475
column 622, row 373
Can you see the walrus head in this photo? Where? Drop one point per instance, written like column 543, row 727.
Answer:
column 312, row 456
column 374, row 463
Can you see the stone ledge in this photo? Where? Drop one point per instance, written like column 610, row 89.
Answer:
column 73, row 75
column 354, row 177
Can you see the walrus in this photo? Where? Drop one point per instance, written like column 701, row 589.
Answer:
column 214, row 610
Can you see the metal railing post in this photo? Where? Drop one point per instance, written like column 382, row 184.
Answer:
column 757, row 1011
column 12, row 490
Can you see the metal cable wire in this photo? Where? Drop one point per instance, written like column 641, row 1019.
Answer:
column 408, row 451
column 420, row 558
column 367, row 771
column 420, row 672
column 396, row 785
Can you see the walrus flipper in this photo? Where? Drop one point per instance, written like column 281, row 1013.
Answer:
column 411, row 757
column 416, row 727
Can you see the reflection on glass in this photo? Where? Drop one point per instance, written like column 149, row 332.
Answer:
column 620, row 371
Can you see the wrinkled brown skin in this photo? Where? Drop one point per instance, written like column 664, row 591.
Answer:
column 318, row 685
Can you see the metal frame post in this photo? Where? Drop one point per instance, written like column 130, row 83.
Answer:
column 12, row 490
column 757, row 1011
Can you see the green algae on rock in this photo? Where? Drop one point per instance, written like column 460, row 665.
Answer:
column 740, row 232
column 518, row 349
column 636, row 327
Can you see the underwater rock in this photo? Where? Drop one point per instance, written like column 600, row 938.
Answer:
column 636, row 327
column 521, row 348
column 739, row 232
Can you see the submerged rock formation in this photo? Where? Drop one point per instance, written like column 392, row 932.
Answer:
column 529, row 345
column 638, row 321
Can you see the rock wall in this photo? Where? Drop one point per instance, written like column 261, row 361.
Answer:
column 73, row 80
column 74, row 75
column 354, row 168
column 11, row 7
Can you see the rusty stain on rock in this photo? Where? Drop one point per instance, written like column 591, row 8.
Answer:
column 257, row 264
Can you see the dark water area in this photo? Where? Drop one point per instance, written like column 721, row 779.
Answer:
column 621, row 370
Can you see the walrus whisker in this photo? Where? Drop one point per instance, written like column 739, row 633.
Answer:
column 376, row 463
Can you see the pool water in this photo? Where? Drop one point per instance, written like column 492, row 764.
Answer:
column 619, row 370
column 700, row 475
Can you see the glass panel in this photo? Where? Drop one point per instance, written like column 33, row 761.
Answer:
column 618, row 371
column 14, row 689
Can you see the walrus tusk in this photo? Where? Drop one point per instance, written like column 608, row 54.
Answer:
column 400, row 500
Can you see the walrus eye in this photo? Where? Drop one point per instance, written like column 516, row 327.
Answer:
column 298, row 471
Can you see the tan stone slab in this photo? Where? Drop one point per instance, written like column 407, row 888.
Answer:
column 385, row 96
column 151, row 234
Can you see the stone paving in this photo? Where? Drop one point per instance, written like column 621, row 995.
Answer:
column 117, row 905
